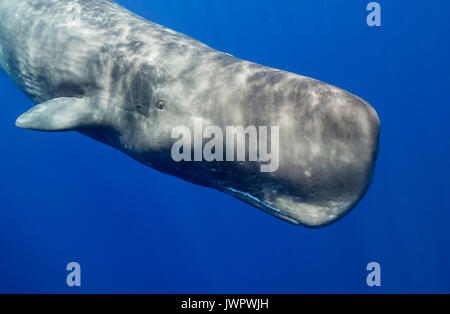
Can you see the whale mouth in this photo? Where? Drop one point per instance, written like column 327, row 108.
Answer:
column 248, row 198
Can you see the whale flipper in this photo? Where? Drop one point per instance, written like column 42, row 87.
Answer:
column 59, row 115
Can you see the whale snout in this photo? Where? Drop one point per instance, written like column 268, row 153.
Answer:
column 328, row 154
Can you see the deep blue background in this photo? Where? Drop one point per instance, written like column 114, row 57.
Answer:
column 64, row 197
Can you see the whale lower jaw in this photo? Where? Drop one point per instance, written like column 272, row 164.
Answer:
column 297, row 212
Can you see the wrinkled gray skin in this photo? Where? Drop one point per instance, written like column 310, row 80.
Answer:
column 108, row 75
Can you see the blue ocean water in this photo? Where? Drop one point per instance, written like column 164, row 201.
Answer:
column 66, row 198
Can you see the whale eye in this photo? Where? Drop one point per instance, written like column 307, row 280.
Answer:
column 160, row 104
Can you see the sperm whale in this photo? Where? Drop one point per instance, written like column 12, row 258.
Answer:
column 94, row 67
